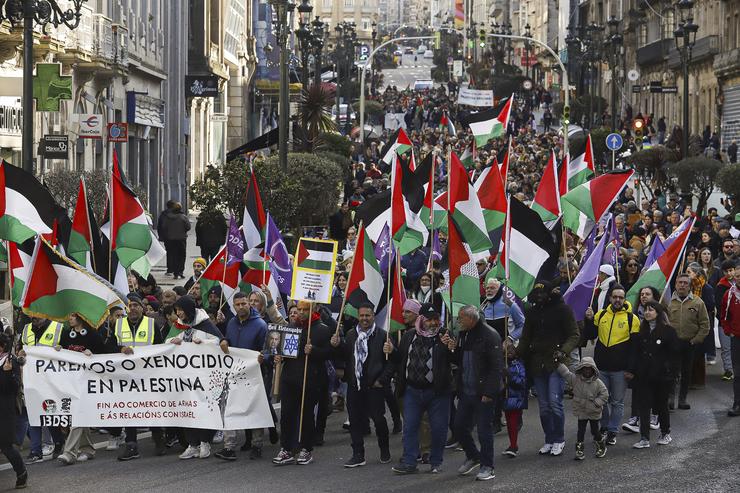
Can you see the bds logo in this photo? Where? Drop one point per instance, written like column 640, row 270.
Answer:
column 50, row 407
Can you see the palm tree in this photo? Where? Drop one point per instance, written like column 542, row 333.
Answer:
column 314, row 110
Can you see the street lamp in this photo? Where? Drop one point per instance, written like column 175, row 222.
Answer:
column 527, row 34
column 614, row 44
column 318, row 46
column 304, row 38
column 282, row 9
column 42, row 13
column 374, row 36
column 685, row 38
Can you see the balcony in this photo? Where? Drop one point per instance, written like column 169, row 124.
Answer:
column 120, row 46
column 654, row 53
column 103, row 40
column 705, row 47
column 727, row 64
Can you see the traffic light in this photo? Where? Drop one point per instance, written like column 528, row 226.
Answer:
column 638, row 125
column 482, row 38
column 566, row 113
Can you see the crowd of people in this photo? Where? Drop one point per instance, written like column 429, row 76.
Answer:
column 441, row 380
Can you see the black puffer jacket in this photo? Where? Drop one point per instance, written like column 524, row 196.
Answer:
column 548, row 327
column 655, row 353
column 488, row 358
column 376, row 368
column 9, row 388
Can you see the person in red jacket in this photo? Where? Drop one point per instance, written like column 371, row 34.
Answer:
column 729, row 317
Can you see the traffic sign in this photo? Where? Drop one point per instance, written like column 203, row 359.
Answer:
column 118, row 132
column 91, row 126
column 669, row 89
column 614, row 142
column 637, row 88
column 56, row 147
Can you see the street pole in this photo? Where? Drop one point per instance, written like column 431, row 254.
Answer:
column 284, row 104
column 686, row 56
column 27, row 141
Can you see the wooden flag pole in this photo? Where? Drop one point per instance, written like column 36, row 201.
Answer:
column 431, row 218
column 226, row 262
column 565, row 252
column 89, row 225
column 305, row 372
column 391, row 282
column 110, row 233
column 340, row 318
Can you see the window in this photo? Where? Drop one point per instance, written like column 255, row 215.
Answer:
column 669, row 23
column 234, row 24
column 349, row 3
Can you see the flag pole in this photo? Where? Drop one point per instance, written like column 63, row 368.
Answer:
column 226, row 262
column 431, row 218
column 565, row 252
column 10, row 285
column 89, row 225
column 110, row 232
column 305, row 372
column 349, row 278
column 391, row 282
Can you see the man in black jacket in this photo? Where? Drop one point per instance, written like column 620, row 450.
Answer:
column 367, row 374
column 424, row 380
column 480, row 362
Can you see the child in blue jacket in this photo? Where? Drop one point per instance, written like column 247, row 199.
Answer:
column 515, row 401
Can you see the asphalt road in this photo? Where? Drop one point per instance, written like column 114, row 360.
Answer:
column 408, row 71
column 703, row 457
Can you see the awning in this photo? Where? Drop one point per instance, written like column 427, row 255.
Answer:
column 262, row 142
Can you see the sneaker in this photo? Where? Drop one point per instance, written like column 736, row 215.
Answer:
column 83, row 457
column 611, row 438
column 21, row 481
column 66, row 459
column 485, row 474
column 643, row 443
column 654, row 425
column 665, row 439
column 435, row 469
column 424, row 458
column 632, row 425
column 171, row 442
column 304, row 457
column 385, row 457
column 545, row 449
column 115, row 442
column 451, row 443
column 511, row 452
column 190, row 453
column 226, row 454
column 129, row 452
column 255, row 453
column 47, row 450
column 402, row 468
column 600, row 449
column 580, row 453
column 218, row 437
column 34, row 458
column 205, row 450
column 557, row 448
column 345, row 425
column 355, row 461
column 468, row 467
column 283, row 457
column 727, row 376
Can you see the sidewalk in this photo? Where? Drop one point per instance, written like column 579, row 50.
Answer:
column 192, row 252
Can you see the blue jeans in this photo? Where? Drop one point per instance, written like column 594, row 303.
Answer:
column 471, row 411
column 35, row 433
column 415, row 403
column 724, row 341
column 611, row 417
column 549, row 387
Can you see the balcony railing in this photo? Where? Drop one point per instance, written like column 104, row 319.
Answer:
column 727, row 63
column 654, row 52
column 705, row 47
column 120, row 45
column 83, row 38
column 103, row 41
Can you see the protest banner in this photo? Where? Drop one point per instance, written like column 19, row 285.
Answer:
column 187, row 385
column 394, row 121
column 313, row 270
column 475, row 97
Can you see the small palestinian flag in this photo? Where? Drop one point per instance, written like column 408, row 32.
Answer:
column 446, row 123
column 547, row 199
column 365, row 280
column 661, row 271
column 581, row 169
column 489, row 124
column 465, row 208
column 315, row 255
column 57, row 287
column 464, row 284
column 84, row 239
column 215, row 275
column 19, row 261
column 27, row 208
column 398, row 298
column 398, row 143
column 584, row 205
column 490, row 189
column 467, row 158
column 255, row 219
column 407, row 199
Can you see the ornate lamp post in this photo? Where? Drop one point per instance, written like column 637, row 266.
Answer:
column 685, row 38
column 528, row 34
column 614, row 44
column 304, row 38
column 318, row 46
column 282, row 9
column 374, row 36
column 42, row 13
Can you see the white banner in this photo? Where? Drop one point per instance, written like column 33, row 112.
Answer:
column 394, row 120
column 190, row 386
column 475, row 97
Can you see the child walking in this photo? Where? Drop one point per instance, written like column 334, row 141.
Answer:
column 589, row 397
column 515, row 401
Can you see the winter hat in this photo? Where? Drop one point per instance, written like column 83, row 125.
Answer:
column 134, row 298
column 412, row 306
column 607, row 269
column 186, row 304
column 201, row 261
column 215, row 290
column 428, row 310
column 153, row 302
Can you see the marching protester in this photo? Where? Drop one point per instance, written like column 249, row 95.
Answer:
column 728, row 279
column 199, row 265
column 729, row 316
column 10, row 388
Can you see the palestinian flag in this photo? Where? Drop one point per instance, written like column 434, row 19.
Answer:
column 464, row 284
column 468, row 156
column 315, row 255
column 529, row 245
column 365, row 282
column 57, row 287
column 398, row 143
column 661, row 271
column 27, row 208
column 398, row 298
column 563, row 175
column 255, row 272
column 465, row 208
column 437, row 219
column 489, row 124
column 490, row 189
column 19, row 260
column 504, row 166
column 84, row 239
column 218, row 273
column 407, row 198
column 253, row 224
column 547, row 199
column 446, row 123
column 581, row 169
column 584, row 205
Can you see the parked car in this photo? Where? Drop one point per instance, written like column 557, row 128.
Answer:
column 421, row 50
column 408, row 51
column 343, row 110
column 429, row 54
column 423, row 84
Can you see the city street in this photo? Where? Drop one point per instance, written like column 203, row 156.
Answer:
column 408, row 72
column 702, row 457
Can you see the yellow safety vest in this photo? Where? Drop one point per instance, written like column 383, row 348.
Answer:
column 144, row 335
column 50, row 337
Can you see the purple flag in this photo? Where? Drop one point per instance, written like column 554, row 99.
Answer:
column 656, row 250
column 436, row 247
column 590, row 244
column 382, row 250
column 578, row 296
column 280, row 265
column 234, row 243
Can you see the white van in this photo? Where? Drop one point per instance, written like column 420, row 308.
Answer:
column 423, row 84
